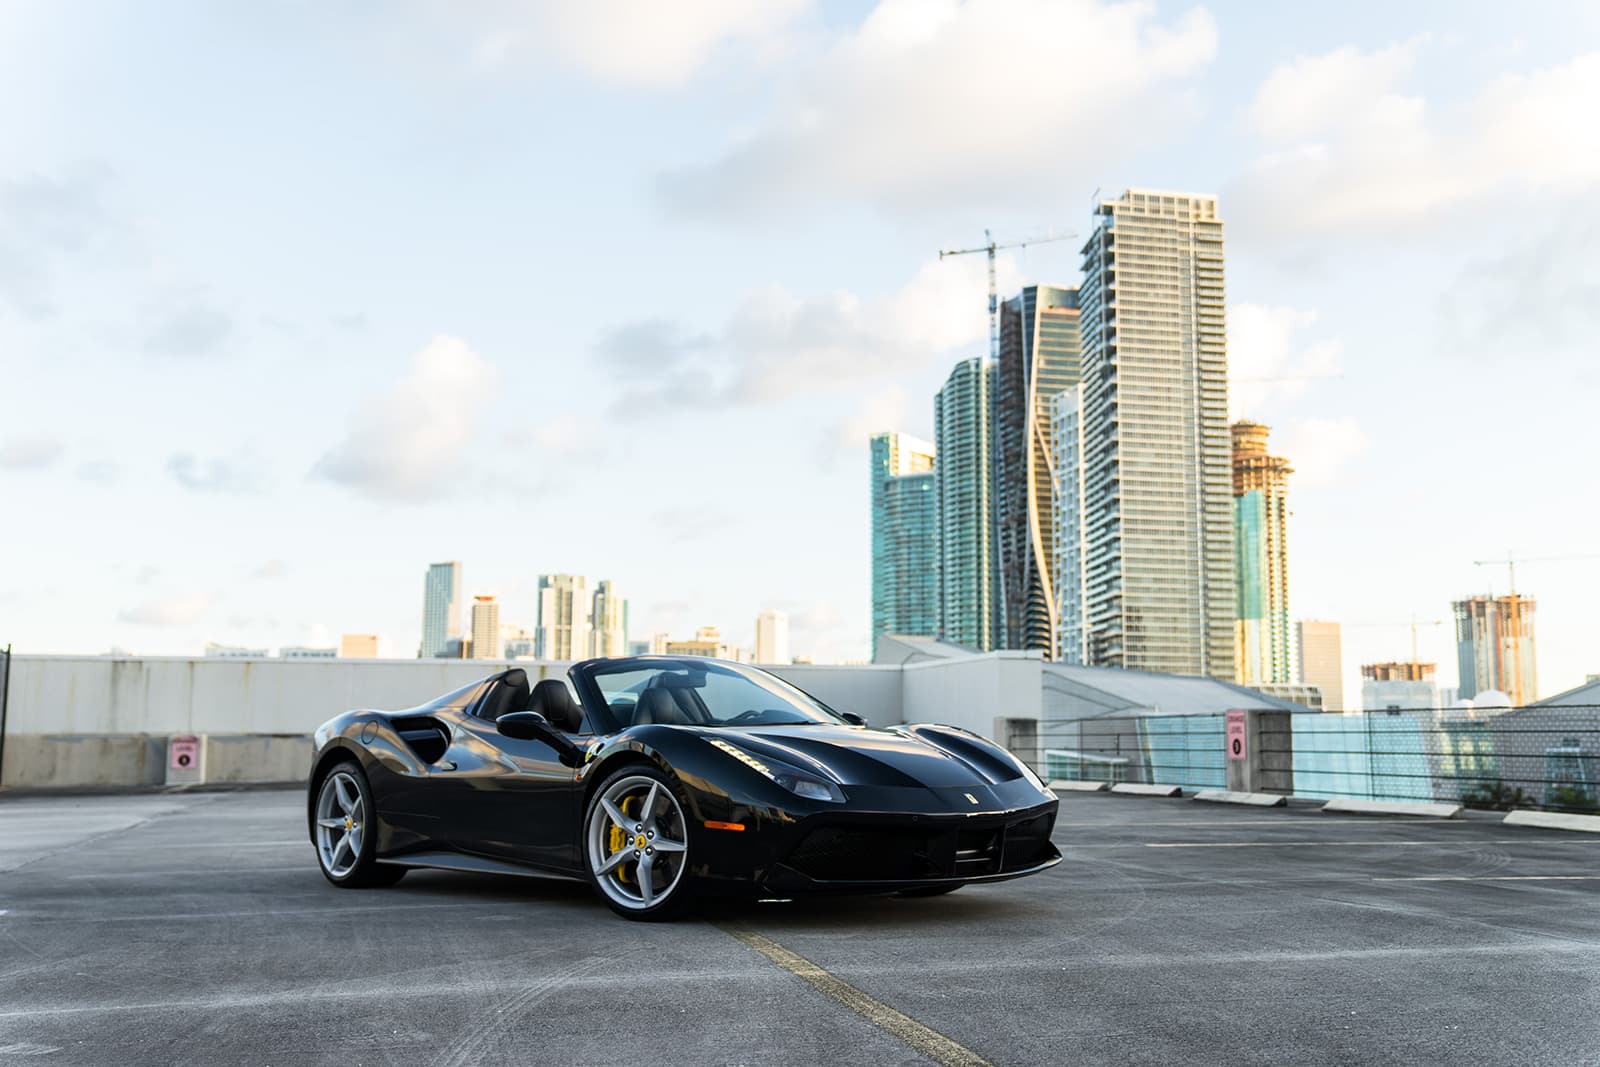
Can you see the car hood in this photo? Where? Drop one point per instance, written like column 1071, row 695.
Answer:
column 936, row 757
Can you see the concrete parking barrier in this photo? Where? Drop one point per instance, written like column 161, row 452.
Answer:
column 1393, row 807
column 1228, row 796
column 1148, row 790
column 1063, row 785
column 1554, row 820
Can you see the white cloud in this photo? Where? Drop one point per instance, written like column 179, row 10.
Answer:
column 633, row 42
column 1350, row 151
column 929, row 101
column 407, row 443
column 179, row 609
column 1319, row 449
column 30, row 452
column 239, row 473
column 1271, row 361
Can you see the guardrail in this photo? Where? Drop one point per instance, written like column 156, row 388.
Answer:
column 1538, row 757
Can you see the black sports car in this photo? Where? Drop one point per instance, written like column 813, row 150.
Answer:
column 667, row 778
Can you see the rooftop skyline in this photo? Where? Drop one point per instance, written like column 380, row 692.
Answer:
column 268, row 339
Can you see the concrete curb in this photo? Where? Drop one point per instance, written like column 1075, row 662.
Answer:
column 1228, row 796
column 1062, row 785
column 1148, row 790
column 1393, row 807
column 1554, row 820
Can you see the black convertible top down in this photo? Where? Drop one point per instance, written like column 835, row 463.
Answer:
column 658, row 779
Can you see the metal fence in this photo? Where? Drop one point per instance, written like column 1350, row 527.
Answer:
column 5, row 699
column 1527, row 758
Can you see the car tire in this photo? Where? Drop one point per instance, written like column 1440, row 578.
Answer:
column 928, row 891
column 344, row 827
column 625, row 861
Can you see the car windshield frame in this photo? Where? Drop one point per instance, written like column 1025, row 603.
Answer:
column 806, row 709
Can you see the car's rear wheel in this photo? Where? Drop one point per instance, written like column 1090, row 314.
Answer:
column 636, row 844
column 346, row 831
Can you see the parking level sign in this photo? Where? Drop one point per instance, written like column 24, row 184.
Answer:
column 183, row 753
column 1238, row 747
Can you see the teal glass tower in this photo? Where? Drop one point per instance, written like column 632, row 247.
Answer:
column 905, row 538
column 961, row 436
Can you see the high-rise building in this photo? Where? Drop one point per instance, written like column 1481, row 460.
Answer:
column 564, row 606
column 1158, row 535
column 1260, row 559
column 517, row 642
column 1494, row 647
column 1321, row 660
column 358, row 646
column 707, row 641
column 961, row 438
column 608, row 621
column 308, row 652
column 1398, row 687
column 1040, row 355
column 441, row 609
column 772, row 637
column 485, row 628
column 1066, row 431
column 905, row 538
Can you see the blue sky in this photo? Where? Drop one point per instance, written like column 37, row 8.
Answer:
column 295, row 300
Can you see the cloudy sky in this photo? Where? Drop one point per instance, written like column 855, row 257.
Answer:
column 296, row 298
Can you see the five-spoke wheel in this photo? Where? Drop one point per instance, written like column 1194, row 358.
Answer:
column 636, row 843
column 344, row 847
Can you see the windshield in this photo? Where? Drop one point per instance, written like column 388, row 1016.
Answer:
column 697, row 692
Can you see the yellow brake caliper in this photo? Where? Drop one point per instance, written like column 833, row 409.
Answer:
column 619, row 837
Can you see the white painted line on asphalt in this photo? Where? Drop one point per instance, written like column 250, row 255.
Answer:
column 1393, row 807
column 1495, row 878
column 926, row 1040
column 1554, row 820
column 1244, row 820
column 1255, row 800
column 252, row 914
column 1375, row 843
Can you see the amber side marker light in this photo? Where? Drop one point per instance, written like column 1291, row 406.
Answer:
column 712, row 824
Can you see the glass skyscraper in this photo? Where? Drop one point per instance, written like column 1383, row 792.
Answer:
column 1261, row 559
column 905, row 538
column 441, row 609
column 1066, row 430
column 1040, row 356
column 967, row 614
column 1158, row 502
column 1494, row 647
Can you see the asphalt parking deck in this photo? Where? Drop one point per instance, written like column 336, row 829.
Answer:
column 195, row 928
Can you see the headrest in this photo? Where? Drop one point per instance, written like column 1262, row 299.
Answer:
column 552, row 699
column 657, row 705
column 509, row 693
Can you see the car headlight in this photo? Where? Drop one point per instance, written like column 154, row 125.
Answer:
column 793, row 779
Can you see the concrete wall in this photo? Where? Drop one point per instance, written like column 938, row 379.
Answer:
column 974, row 691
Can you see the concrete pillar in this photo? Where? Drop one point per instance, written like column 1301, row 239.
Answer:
column 1267, row 763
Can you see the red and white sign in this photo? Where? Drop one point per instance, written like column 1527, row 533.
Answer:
column 183, row 753
column 1238, row 747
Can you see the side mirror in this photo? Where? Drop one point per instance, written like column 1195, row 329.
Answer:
column 852, row 718
column 531, row 726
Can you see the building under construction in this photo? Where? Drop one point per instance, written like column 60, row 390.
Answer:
column 1494, row 646
column 1261, row 559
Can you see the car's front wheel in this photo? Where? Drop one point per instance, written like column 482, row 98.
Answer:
column 636, row 844
column 347, row 832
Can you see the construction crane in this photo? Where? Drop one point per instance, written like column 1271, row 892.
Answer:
column 1511, row 560
column 1415, row 623
column 994, row 292
column 1510, row 563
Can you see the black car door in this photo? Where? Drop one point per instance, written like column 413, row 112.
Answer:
column 510, row 799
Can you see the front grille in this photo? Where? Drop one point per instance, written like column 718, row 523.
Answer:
column 889, row 854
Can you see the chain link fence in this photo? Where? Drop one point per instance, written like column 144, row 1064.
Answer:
column 1545, row 758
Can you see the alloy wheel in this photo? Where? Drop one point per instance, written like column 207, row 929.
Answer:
column 340, row 824
column 637, row 842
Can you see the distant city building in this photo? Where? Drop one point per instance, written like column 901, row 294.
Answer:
column 708, row 642
column 638, row 648
column 441, row 609
column 216, row 651
column 1041, row 354
column 485, row 628
column 772, row 637
column 458, row 647
column 1261, row 559
column 1158, row 538
column 564, row 607
column 1066, row 432
column 1321, row 657
column 1398, row 687
column 658, row 644
column 1307, row 696
column 517, row 642
column 307, row 652
column 358, row 646
column 1494, row 647
column 905, row 538
column 965, row 514
column 608, row 620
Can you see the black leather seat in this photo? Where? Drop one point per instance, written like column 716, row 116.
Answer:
column 552, row 699
column 510, row 693
column 657, row 705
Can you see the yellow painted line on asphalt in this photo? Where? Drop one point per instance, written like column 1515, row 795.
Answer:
column 1495, row 878
column 1372, row 843
column 929, row 1042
